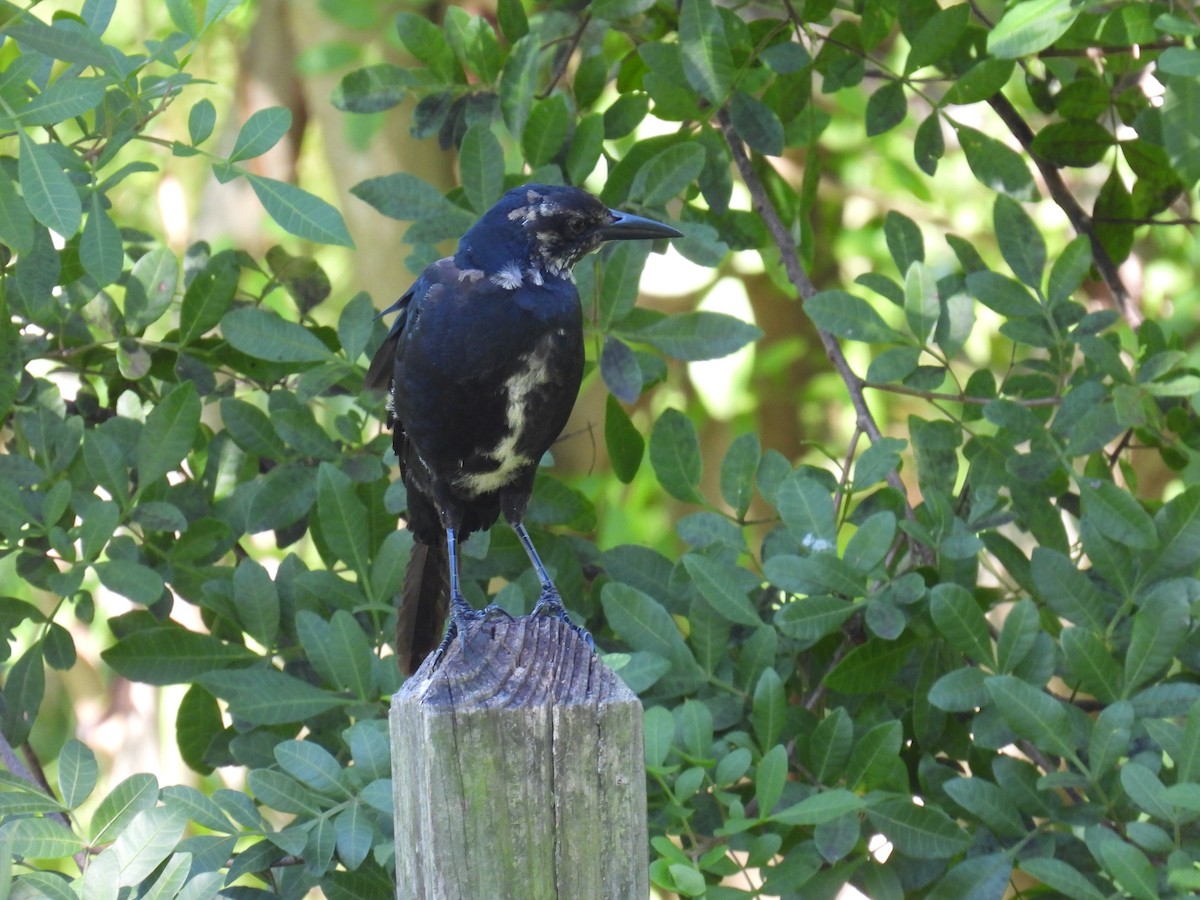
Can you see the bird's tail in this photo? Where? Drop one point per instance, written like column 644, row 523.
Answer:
column 424, row 604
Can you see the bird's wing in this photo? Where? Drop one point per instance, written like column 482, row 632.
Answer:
column 379, row 373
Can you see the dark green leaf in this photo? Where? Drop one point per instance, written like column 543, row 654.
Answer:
column 372, row 88
column 100, row 248
column 1159, row 628
column 169, row 654
column 886, row 108
column 168, row 434
column 1020, row 241
column 343, row 518
column 1075, row 142
column 268, row 697
column 428, row 43
column 979, row 82
column 996, row 165
column 930, row 145
column 738, row 470
column 1117, row 514
column 1031, row 713
column 546, row 132
column 756, row 123
column 937, row 38
column 961, row 622
column 1003, row 295
column 720, row 591
column 675, row 456
column 481, row 165
column 624, row 442
column 922, row 832
column 847, row 316
column 667, row 173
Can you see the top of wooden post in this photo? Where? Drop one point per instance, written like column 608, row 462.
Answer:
column 524, row 662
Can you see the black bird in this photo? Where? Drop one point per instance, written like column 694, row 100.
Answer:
column 483, row 363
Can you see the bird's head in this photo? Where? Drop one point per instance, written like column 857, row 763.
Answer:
column 546, row 229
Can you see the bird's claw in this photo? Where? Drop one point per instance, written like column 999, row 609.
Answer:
column 462, row 617
column 550, row 604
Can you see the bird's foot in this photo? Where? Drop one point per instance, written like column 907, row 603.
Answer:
column 462, row 621
column 550, row 604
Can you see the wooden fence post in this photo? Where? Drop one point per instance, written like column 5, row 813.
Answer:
column 518, row 772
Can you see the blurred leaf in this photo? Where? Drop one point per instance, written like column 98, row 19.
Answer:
column 100, row 247
column 202, row 118
column 268, row 697
column 428, row 43
column 667, row 173
column 145, row 842
column 169, row 654
column 937, row 38
column 886, row 108
column 996, row 165
column 131, row 580
column 922, row 832
column 1021, row 244
column 150, row 289
column 546, row 132
column 1073, row 143
column 620, row 370
column 78, row 773
column 806, row 507
column 1030, row 26
column 207, row 298
column 370, row 89
column 738, row 470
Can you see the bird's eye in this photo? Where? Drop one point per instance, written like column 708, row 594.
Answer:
column 576, row 226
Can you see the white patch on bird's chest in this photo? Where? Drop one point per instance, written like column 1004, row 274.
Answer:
column 531, row 373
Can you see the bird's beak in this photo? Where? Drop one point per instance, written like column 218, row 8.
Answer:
column 628, row 227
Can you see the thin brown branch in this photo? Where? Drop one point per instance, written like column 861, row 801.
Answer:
column 956, row 398
column 790, row 256
column 1061, row 194
column 564, row 56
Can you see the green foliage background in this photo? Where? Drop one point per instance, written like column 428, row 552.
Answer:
column 915, row 613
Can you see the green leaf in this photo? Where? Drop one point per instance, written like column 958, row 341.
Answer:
column 720, row 591
column 1031, row 713
column 146, row 841
column 131, row 580
column 756, row 123
column 886, row 108
column 257, row 602
column 1076, row 142
column 1017, row 636
column 829, row 746
column 875, row 754
column 1068, row 591
column 1062, row 877
column 202, row 118
column 355, row 835
column 809, row 619
column 168, row 434
column 1031, row 26
column 1112, row 210
column 77, row 773
column 514, row 24
column 1159, row 628
column 867, row 666
column 769, row 708
column 264, row 335
column 150, row 289
column 100, row 247
column 869, row 545
column 1117, row 514
column 643, row 623
column 937, row 38
column 904, row 240
column 207, row 299
column 922, row 832
column 39, row 838
column 262, row 131
column 51, row 197
column 961, row 622
column 825, row 806
column 996, row 165
column 546, row 131
column 268, row 697
column 930, row 145
column 667, row 173
column 624, row 442
column 1089, row 662
column 518, row 82
column 372, row 89
column 738, row 470
column 16, row 224
column 1128, row 865
column 770, row 777
column 806, row 507
column 707, row 61
column 622, row 273
column 620, row 370
column 675, row 456
column 658, row 726
column 1021, row 243
column 134, row 794
column 481, row 164
column 988, row 803
column 847, row 316
column 283, row 793
column 298, row 212
column 428, row 43
column 625, row 114
column 980, row 82
column 353, row 653
column 343, row 519
column 586, row 146
column 62, row 100
column 698, row 335
column 1003, row 295
column 921, row 302
column 169, row 654
column 312, row 765
column 1069, row 269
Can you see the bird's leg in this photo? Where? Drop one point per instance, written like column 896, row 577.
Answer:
column 549, row 601
column 461, row 613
